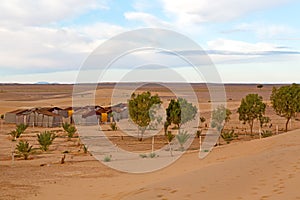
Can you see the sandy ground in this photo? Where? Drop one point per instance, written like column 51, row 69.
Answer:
column 246, row 169
column 258, row 169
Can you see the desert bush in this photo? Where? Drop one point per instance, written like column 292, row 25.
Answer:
column 20, row 129
column 228, row 136
column 45, row 139
column 152, row 155
column 70, row 129
column 198, row 133
column 85, row 149
column 2, row 116
column 143, row 155
column 107, row 158
column 24, row 149
column 266, row 133
column 113, row 126
column 182, row 137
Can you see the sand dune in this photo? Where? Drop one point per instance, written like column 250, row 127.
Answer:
column 257, row 169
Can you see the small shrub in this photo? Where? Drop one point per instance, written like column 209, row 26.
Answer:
column 85, row 149
column 143, row 155
column 45, row 139
column 113, row 126
column 266, row 133
column 152, row 155
column 229, row 136
column 107, row 158
column 20, row 129
column 182, row 137
column 2, row 116
column 202, row 119
column 198, row 133
column 70, row 129
column 24, row 149
column 170, row 136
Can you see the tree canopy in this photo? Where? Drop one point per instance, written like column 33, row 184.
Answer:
column 140, row 109
column 219, row 117
column 251, row 108
column 286, row 101
column 180, row 111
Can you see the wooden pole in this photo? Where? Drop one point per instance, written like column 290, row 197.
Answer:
column 200, row 142
column 152, row 144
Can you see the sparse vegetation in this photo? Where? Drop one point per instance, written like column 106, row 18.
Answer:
column 180, row 111
column 182, row 138
column 24, row 149
column 286, row 102
column 228, row 136
column 251, row 108
column 266, row 133
column 260, row 86
column 107, row 158
column 85, row 149
column 220, row 116
column 69, row 129
column 139, row 110
column 113, row 126
column 143, row 155
column 198, row 133
column 20, row 129
column 152, row 155
column 170, row 137
column 45, row 139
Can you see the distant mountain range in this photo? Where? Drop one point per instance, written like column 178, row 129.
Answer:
column 45, row 83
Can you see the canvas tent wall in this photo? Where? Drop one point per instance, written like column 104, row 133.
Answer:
column 119, row 111
column 14, row 116
column 46, row 118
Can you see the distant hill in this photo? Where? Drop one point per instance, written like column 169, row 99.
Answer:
column 44, row 83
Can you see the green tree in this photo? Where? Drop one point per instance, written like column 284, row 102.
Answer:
column 140, row 109
column 24, row 149
column 45, row 139
column 260, row 86
column 286, row 102
column 220, row 116
column 180, row 111
column 251, row 108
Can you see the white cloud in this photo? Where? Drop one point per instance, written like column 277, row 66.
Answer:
column 232, row 51
column 267, row 31
column 240, row 46
column 147, row 19
column 35, row 49
column 195, row 11
column 33, row 12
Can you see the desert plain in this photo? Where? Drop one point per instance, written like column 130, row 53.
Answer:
column 247, row 168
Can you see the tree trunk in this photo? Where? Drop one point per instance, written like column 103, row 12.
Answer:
column 142, row 133
column 251, row 127
column 286, row 124
column 170, row 149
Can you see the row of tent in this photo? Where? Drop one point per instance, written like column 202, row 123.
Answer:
column 55, row 116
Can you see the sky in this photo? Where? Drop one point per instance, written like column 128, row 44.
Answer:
column 247, row 41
